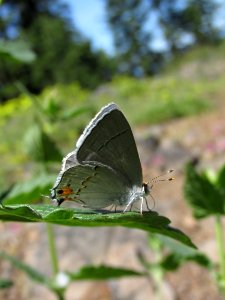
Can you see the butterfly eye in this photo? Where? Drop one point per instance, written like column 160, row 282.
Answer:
column 146, row 188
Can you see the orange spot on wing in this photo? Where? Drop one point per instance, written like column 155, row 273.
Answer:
column 64, row 191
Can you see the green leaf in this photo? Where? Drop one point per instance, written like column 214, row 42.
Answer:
column 5, row 283
column 31, row 272
column 102, row 273
column 5, row 193
column 177, row 254
column 75, row 112
column 173, row 261
column 221, row 180
column 180, row 253
column 18, row 49
column 204, row 197
column 40, row 146
column 30, row 191
column 149, row 221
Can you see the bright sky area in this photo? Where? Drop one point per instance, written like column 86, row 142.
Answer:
column 90, row 18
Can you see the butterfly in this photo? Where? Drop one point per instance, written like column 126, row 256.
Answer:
column 104, row 169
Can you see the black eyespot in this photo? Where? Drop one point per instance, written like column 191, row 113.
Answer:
column 60, row 192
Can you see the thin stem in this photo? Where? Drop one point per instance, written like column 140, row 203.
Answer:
column 156, row 273
column 158, row 280
column 60, row 296
column 220, row 246
column 52, row 249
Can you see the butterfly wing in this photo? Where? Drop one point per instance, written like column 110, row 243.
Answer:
column 105, row 166
column 94, row 186
column 108, row 140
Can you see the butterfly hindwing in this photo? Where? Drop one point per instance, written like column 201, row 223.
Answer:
column 94, row 186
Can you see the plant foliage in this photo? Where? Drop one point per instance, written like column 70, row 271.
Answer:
column 205, row 197
column 149, row 221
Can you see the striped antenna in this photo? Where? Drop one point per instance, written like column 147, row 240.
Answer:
column 157, row 178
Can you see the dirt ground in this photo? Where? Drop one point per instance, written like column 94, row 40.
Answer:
column 161, row 147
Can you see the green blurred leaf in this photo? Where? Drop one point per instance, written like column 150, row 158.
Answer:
column 179, row 253
column 204, row 197
column 182, row 253
column 75, row 112
column 173, row 261
column 5, row 283
column 149, row 221
column 5, row 193
column 31, row 272
column 101, row 273
column 30, row 191
column 40, row 146
column 211, row 175
column 221, row 180
column 18, row 49
column 51, row 109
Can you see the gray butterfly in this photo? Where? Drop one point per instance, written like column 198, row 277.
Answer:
column 104, row 169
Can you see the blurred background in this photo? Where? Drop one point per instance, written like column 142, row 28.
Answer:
column 163, row 63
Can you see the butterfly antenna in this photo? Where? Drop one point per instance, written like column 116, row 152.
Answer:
column 157, row 178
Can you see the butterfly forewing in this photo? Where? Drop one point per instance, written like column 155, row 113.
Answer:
column 108, row 139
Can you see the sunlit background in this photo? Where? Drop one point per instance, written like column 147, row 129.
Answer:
column 163, row 63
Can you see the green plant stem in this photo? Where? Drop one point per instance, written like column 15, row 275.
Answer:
column 60, row 296
column 156, row 273
column 220, row 245
column 52, row 249
column 158, row 280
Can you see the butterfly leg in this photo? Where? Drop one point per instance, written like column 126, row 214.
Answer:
column 147, row 204
column 131, row 206
column 113, row 206
column 129, row 203
column 141, row 208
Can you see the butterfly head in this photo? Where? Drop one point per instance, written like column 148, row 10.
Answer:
column 146, row 188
